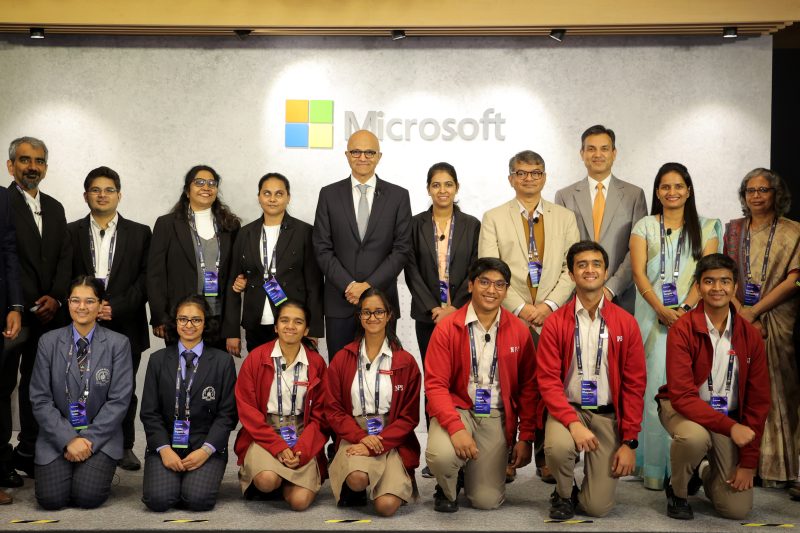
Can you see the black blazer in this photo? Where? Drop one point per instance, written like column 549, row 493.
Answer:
column 422, row 272
column 172, row 268
column 44, row 259
column 127, row 285
column 344, row 258
column 296, row 270
column 212, row 404
column 10, row 287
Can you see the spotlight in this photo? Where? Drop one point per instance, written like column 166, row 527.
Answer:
column 730, row 32
column 558, row 34
column 242, row 34
column 398, row 34
column 37, row 33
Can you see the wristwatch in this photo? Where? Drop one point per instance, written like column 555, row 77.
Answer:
column 686, row 307
column 631, row 443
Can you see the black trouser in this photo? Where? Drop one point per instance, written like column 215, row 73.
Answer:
column 20, row 357
column 259, row 335
column 128, row 431
column 424, row 331
column 339, row 332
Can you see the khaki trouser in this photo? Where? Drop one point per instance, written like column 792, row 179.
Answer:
column 598, row 489
column 690, row 443
column 484, row 477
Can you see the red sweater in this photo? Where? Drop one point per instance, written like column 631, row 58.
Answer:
column 252, row 395
column 448, row 365
column 403, row 415
column 690, row 355
column 627, row 374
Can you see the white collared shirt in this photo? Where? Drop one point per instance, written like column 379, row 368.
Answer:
column 372, row 182
column 287, row 382
column 719, row 368
column 272, row 239
column 102, row 245
column 35, row 205
column 536, row 211
column 484, row 352
column 593, row 187
column 204, row 223
column 589, row 334
column 381, row 366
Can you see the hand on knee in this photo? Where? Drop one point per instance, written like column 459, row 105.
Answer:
column 357, row 481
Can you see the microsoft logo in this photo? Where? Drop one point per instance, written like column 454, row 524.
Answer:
column 309, row 123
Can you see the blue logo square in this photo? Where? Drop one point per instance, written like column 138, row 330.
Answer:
column 297, row 135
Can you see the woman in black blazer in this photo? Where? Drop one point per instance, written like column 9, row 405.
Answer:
column 190, row 253
column 290, row 261
column 187, row 447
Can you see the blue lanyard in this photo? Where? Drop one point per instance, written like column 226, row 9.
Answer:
column 279, row 387
column 377, row 385
column 85, row 377
column 533, row 251
column 681, row 239
column 178, row 380
column 578, row 351
column 271, row 267
column 199, row 243
column 766, row 252
column 110, row 252
column 493, row 368
column 728, row 376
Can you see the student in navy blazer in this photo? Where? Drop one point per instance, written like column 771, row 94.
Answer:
column 81, row 368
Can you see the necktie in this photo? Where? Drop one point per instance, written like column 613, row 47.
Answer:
column 188, row 356
column 362, row 217
column 83, row 354
column 597, row 211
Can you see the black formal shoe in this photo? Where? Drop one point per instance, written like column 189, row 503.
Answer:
column 562, row 508
column 695, row 482
column 426, row 473
column 442, row 504
column 9, row 477
column 678, row 508
column 460, row 482
column 794, row 490
column 351, row 498
column 23, row 463
column 129, row 461
column 331, row 451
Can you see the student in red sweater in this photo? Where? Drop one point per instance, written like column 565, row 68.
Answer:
column 480, row 386
column 716, row 398
column 279, row 396
column 591, row 375
column 372, row 404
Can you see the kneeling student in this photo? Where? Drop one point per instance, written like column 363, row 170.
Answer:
column 716, row 399
column 592, row 378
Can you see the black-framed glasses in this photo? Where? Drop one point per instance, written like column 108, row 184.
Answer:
column 184, row 320
column 499, row 284
column 522, row 174
column 200, row 183
column 98, row 190
column 369, row 154
column 760, row 190
column 366, row 314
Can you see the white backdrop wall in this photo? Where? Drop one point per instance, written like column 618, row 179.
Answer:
column 152, row 108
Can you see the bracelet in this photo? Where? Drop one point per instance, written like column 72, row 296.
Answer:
column 645, row 292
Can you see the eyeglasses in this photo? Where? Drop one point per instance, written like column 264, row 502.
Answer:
column 200, row 183
column 369, row 154
column 366, row 314
column 184, row 320
column 522, row 174
column 75, row 301
column 98, row 190
column 499, row 284
column 760, row 190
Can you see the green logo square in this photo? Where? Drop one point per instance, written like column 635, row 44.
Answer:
column 321, row 111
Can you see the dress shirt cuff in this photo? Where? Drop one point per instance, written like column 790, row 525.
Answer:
column 609, row 289
column 552, row 305
column 519, row 308
column 348, row 286
column 158, row 450
column 209, row 448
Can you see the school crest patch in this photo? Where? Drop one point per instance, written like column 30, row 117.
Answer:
column 102, row 376
column 209, row 394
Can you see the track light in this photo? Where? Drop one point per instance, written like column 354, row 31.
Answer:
column 242, row 34
column 398, row 34
column 37, row 33
column 730, row 32
column 558, row 34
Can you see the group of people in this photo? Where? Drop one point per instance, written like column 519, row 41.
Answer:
column 546, row 331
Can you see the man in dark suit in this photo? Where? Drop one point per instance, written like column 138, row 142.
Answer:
column 362, row 237
column 10, row 299
column 44, row 253
column 107, row 246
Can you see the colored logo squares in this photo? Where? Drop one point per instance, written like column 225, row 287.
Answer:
column 309, row 123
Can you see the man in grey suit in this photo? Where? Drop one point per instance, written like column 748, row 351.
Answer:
column 606, row 208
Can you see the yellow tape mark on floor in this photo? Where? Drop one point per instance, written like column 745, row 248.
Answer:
column 348, row 521
column 42, row 521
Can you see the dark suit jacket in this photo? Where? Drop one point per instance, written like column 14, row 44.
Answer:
column 172, row 268
column 110, row 389
column 10, row 286
column 44, row 259
column 296, row 270
column 212, row 405
column 422, row 271
column 343, row 257
column 126, row 291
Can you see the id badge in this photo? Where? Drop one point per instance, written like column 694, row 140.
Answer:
column 443, row 290
column 669, row 295
column 210, row 283
column 483, row 402
column 588, row 394
column 274, row 291
column 535, row 272
column 77, row 415
column 374, row 425
column 289, row 435
column 180, row 434
column 752, row 293
column 720, row 404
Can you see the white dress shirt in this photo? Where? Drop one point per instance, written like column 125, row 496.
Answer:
column 593, row 187
column 35, row 205
column 287, row 382
column 381, row 369
column 102, row 246
column 484, row 352
column 272, row 238
column 719, row 368
column 357, row 194
column 589, row 333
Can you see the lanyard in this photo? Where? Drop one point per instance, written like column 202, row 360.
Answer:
column 578, row 351
column 728, row 376
column 111, row 248
column 279, row 378
column 85, row 377
column 533, row 251
column 681, row 239
column 493, row 368
column 199, row 243
column 271, row 267
column 377, row 385
column 449, row 246
column 766, row 252
column 178, row 381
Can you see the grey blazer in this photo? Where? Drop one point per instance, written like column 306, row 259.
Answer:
column 110, row 388
column 625, row 205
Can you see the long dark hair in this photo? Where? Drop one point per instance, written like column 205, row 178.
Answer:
column 391, row 336
column 691, row 222
column 222, row 213
column 305, row 341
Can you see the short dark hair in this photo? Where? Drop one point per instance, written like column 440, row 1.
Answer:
column 102, row 172
column 585, row 246
column 783, row 196
column 485, row 264
column 599, row 129
column 277, row 176
column 92, row 282
column 713, row 262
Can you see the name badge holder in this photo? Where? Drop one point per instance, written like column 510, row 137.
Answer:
column 271, row 286
column 717, row 402
column 483, row 396
column 288, row 431
column 78, row 418
column 534, row 264
column 589, row 386
column 93, row 254
column 752, row 291
column 374, row 423
column 669, row 290
column 210, row 277
column 180, row 426
column 444, row 284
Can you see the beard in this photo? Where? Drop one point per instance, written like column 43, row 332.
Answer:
column 30, row 180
